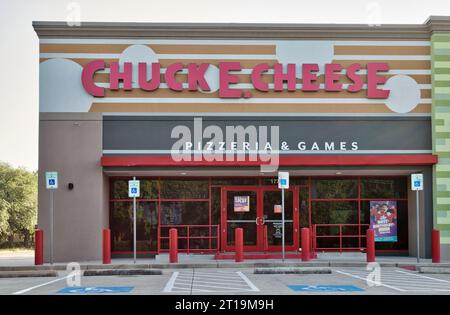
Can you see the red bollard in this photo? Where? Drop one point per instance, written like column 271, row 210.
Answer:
column 435, row 246
column 106, row 246
column 306, row 243
column 370, row 240
column 312, row 253
column 239, row 244
column 39, row 247
column 173, row 245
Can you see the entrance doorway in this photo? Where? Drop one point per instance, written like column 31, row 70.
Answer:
column 257, row 210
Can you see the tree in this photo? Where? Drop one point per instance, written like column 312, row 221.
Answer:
column 18, row 203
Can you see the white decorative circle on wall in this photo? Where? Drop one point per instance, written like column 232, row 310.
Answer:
column 298, row 52
column 136, row 54
column 212, row 78
column 60, row 87
column 404, row 93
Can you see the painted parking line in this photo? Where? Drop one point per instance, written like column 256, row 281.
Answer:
column 192, row 282
column 41, row 285
column 400, row 280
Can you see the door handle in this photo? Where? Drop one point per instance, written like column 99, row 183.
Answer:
column 259, row 221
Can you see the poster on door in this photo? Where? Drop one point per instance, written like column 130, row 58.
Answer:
column 241, row 203
column 277, row 209
column 383, row 220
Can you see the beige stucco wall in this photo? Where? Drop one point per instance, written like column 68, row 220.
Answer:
column 71, row 144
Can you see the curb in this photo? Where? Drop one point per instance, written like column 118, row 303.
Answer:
column 28, row 273
column 434, row 270
column 122, row 272
column 293, row 270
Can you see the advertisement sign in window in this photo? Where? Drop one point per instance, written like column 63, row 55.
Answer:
column 383, row 220
column 276, row 208
column 241, row 203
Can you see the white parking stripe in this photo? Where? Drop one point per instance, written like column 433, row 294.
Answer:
column 43, row 284
column 422, row 276
column 250, row 284
column 373, row 282
column 171, row 282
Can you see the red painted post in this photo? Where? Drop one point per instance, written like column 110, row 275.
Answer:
column 106, row 246
column 306, row 243
column 239, row 244
column 173, row 246
column 435, row 246
column 312, row 254
column 370, row 240
column 38, row 247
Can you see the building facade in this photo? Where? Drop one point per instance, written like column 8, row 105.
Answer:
column 205, row 115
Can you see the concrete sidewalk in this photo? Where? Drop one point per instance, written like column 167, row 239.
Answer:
column 26, row 262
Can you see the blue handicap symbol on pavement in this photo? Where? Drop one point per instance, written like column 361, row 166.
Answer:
column 325, row 288
column 94, row 290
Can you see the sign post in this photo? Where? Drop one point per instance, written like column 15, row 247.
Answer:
column 51, row 183
column 417, row 185
column 133, row 192
column 283, row 183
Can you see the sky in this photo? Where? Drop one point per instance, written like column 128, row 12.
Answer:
column 19, row 110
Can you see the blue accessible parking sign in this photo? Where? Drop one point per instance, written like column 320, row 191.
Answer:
column 325, row 288
column 95, row 290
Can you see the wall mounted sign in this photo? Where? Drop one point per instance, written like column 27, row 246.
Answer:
column 383, row 220
column 284, row 78
column 241, row 203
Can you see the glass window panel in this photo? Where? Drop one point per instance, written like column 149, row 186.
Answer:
column 215, row 205
column 184, row 189
column 384, row 188
column 122, row 226
column 119, row 189
column 334, row 188
column 334, row 212
column 184, row 212
column 149, row 189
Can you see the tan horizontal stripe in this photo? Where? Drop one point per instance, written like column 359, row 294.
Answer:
column 248, row 64
column 215, row 49
column 382, row 50
column 268, row 78
column 167, row 93
column 160, row 49
column 393, row 64
column 249, row 108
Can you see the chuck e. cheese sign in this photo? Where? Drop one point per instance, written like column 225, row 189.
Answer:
column 284, row 78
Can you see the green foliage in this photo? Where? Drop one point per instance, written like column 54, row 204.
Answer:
column 18, row 204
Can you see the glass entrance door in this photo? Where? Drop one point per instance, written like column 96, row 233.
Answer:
column 272, row 228
column 256, row 209
column 240, row 210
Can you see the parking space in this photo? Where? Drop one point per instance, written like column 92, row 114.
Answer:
column 229, row 281
column 209, row 281
column 402, row 280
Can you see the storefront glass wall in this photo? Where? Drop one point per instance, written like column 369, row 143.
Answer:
column 337, row 206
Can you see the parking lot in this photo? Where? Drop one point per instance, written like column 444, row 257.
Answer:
column 237, row 282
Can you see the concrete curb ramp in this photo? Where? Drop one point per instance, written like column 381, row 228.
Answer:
column 293, row 270
column 122, row 272
column 435, row 270
column 28, row 273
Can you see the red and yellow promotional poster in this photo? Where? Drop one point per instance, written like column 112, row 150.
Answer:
column 383, row 220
